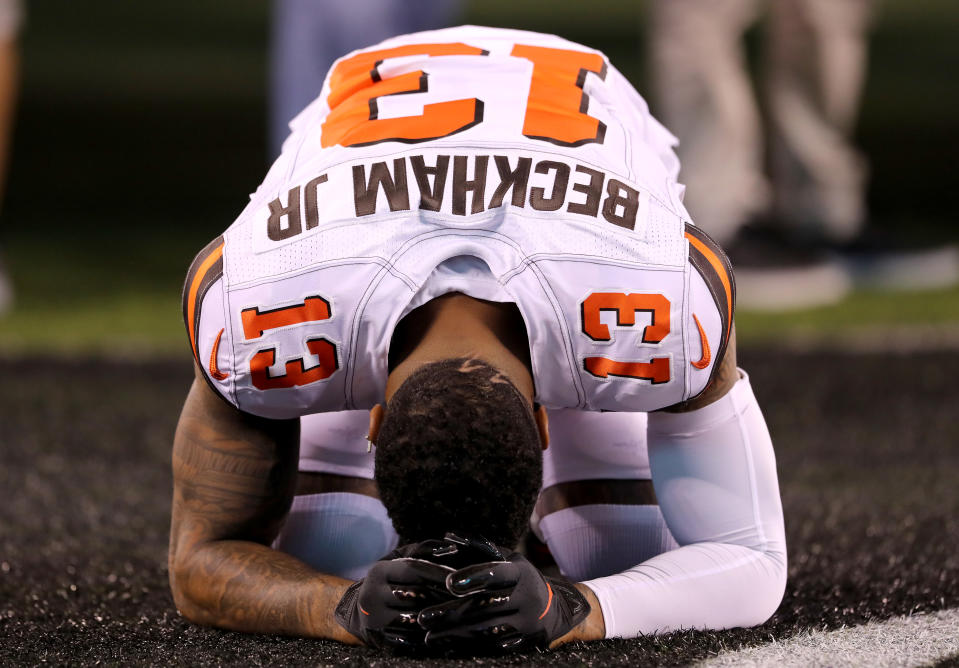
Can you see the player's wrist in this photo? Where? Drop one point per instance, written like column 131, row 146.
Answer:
column 340, row 634
column 591, row 628
column 328, row 626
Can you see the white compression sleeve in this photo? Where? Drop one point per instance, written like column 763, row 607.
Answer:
column 715, row 476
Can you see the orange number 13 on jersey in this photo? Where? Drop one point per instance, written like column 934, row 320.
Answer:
column 257, row 322
column 555, row 108
column 625, row 307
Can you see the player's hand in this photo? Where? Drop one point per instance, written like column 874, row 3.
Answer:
column 503, row 605
column 382, row 608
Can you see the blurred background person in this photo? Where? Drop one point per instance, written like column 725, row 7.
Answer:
column 308, row 35
column 11, row 16
column 792, row 214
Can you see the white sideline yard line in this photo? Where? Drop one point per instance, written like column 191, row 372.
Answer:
column 917, row 640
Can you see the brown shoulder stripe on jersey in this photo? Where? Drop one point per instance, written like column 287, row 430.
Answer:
column 207, row 267
column 713, row 265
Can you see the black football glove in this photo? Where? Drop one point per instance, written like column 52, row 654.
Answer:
column 382, row 608
column 503, row 605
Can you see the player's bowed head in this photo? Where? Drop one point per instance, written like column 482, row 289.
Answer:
column 459, row 447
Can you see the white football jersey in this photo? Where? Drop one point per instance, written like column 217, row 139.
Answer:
column 507, row 165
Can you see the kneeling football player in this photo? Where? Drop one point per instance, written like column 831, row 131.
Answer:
column 473, row 251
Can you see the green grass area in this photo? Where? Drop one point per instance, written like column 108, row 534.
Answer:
column 121, row 297
column 862, row 310
column 99, row 295
column 124, row 325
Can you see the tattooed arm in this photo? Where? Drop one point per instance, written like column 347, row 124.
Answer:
column 233, row 481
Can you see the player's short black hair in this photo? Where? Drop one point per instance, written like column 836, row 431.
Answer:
column 458, row 450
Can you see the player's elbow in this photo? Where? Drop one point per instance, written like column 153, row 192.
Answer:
column 756, row 587
column 184, row 605
column 183, row 578
column 769, row 585
column 181, row 598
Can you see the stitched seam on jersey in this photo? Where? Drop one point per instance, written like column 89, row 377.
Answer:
column 435, row 234
column 365, row 259
column 687, row 307
column 228, row 321
column 355, row 334
column 613, row 115
column 599, row 259
column 566, row 338
column 299, row 147
column 552, row 257
column 750, row 467
column 628, row 136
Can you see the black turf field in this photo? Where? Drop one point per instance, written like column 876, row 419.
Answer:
column 868, row 449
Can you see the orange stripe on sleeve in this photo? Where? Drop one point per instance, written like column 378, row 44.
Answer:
column 717, row 265
column 210, row 260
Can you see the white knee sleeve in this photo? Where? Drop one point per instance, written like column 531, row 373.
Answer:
column 596, row 540
column 338, row 533
column 586, row 445
column 336, row 443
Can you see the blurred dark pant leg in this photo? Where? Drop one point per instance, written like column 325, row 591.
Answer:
column 704, row 96
column 815, row 65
